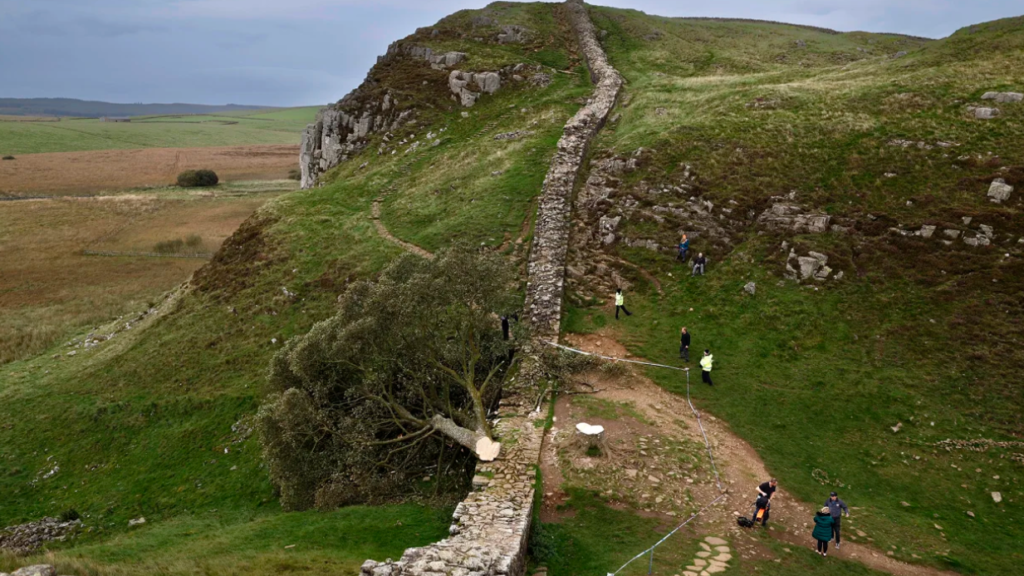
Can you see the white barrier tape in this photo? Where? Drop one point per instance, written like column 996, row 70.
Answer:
column 707, row 444
column 613, row 358
column 677, row 528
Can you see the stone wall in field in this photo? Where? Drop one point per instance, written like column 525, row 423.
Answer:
column 546, row 269
column 491, row 527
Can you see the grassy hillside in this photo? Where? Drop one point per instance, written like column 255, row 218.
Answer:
column 154, row 422
column 163, row 131
column 158, row 415
column 918, row 332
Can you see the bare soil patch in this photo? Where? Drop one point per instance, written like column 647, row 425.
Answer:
column 74, row 173
column 657, row 464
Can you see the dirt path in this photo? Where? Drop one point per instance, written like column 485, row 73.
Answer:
column 384, row 233
column 653, row 430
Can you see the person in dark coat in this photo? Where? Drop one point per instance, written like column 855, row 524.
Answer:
column 836, row 507
column 765, row 492
column 684, row 345
column 823, row 529
column 699, row 263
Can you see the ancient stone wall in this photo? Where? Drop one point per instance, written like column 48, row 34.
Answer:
column 491, row 526
column 546, row 268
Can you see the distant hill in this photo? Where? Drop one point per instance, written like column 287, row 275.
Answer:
column 94, row 109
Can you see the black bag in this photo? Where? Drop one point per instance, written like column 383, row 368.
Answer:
column 745, row 522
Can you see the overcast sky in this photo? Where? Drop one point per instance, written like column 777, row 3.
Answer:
column 296, row 52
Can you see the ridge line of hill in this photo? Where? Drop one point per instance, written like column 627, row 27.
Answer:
column 804, row 26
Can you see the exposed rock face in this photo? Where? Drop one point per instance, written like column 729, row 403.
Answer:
column 462, row 83
column 1003, row 97
column 513, row 35
column 999, row 191
column 27, row 538
column 787, row 216
column 418, row 52
column 546, row 268
column 340, row 131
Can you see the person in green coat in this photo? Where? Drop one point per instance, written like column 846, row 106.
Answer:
column 823, row 529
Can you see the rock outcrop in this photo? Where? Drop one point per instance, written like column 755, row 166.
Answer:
column 999, row 191
column 546, row 268
column 343, row 130
column 789, row 216
column 1003, row 97
column 25, row 539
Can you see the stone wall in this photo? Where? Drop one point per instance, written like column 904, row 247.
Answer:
column 490, row 528
column 546, row 268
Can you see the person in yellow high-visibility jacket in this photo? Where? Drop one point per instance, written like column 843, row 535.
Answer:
column 620, row 302
column 705, row 367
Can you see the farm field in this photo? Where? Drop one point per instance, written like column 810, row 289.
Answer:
column 172, row 131
column 78, row 173
column 52, row 285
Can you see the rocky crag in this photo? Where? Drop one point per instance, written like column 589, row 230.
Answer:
column 491, row 526
column 384, row 103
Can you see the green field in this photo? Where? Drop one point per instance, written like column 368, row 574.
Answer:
column 178, row 131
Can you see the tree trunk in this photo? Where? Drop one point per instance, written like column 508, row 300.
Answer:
column 476, row 440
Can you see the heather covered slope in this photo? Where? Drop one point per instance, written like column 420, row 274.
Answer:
column 747, row 135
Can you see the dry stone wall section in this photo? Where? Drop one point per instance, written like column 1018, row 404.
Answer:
column 491, row 526
column 546, row 268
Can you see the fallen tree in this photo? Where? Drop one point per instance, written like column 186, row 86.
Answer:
column 396, row 386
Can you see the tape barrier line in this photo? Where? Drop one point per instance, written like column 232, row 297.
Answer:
column 659, row 542
column 707, row 445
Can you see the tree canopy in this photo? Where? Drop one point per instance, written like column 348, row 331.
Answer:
column 396, row 386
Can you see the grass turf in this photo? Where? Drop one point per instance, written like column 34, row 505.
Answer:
column 179, row 131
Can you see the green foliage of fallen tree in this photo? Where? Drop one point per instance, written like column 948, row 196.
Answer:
column 395, row 387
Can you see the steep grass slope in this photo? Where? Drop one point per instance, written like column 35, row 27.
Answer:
column 155, row 421
column 921, row 332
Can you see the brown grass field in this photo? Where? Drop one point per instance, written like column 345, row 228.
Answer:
column 49, row 288
column 76, row 173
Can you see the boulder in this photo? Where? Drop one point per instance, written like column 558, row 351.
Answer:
column 512, row 34
column 488, row 82
column 927, row 231
column 999, row 191
column 984, row 113
column 808, row 266
column 750, row 288
column 458, row 82
column 36, row 570
column 1003, row 97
